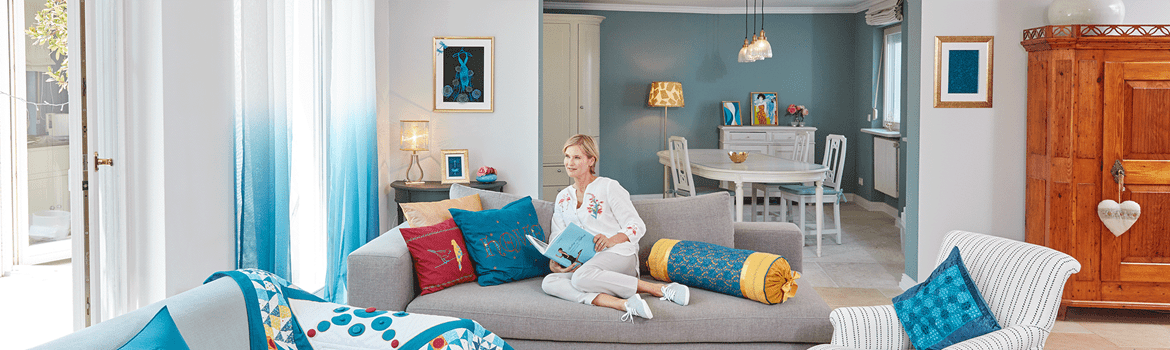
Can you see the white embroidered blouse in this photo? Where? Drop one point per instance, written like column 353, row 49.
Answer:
column 605, row 210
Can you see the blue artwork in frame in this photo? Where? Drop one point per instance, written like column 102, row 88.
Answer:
column 963, row 71
column 464, row 79
column 455, row 166
column 731, row 115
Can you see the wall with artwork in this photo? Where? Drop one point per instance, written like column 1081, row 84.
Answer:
column 507, row 138
column 812, row 56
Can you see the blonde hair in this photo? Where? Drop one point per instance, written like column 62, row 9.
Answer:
column 587, row 146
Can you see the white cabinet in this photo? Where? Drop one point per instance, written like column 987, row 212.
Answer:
column 776, row 141
column 571, row 76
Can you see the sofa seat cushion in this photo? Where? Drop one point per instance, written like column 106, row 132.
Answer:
column 521, row 310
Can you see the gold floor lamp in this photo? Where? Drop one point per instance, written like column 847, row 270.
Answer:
column 665, row 94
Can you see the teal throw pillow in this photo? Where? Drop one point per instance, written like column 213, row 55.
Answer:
column 945, row 309
column 495, row 240
column 159, row 333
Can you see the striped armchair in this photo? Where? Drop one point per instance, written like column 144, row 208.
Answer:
column 1022, row 284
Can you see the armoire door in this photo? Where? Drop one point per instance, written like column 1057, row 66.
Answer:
column 1135, row 266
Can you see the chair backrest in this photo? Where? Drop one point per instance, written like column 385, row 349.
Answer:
column 680, row 167
column 834, row 159
column 1021, row 282
column 800, row 148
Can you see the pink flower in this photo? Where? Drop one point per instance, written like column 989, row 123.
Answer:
column 484, row 170
column 804, row 111
column 791, row 109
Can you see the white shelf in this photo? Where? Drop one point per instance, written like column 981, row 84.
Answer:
column 882, row 133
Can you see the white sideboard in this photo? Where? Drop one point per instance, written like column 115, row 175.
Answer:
column 777, row 141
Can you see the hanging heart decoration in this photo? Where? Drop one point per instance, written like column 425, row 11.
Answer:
column 1118, row 217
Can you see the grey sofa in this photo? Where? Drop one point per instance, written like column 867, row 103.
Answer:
column 381, row 275
column 211, row 316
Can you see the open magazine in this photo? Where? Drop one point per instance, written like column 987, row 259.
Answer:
column 574, row 245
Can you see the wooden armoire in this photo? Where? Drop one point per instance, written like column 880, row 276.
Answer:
column 1099, row 94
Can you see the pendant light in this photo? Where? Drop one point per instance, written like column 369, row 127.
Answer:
column 753, row 53
column 763, row 47
column 744, row 57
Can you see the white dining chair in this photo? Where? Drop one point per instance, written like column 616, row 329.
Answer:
column 800, row 154
column 680, row 165
column 802, row 195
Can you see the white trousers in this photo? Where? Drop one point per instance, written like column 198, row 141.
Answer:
column 606, row 272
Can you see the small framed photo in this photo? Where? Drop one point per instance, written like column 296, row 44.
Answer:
column 962, row 71
column 731, row 113
column 764, row 108
column 455, row 166
column 464, row 74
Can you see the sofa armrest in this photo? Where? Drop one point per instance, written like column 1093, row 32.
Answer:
column 868, row 327
column 381, row 274
column 781, row 238
column 1014, row 337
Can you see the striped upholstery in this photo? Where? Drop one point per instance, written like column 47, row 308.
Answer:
column 1022, row 284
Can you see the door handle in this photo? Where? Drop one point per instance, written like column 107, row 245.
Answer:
column 101, row 161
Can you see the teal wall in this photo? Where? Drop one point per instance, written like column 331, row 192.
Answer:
column 814, row 63
column 911, row 116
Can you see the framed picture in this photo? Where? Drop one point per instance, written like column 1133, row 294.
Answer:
column 464, row 74
column 455, row 166
column 962, row 71
column 731, row 113
column 763, row 108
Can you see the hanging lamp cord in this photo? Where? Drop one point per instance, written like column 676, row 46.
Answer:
column 745, row 17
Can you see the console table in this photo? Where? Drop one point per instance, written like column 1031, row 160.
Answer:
column 432, row 191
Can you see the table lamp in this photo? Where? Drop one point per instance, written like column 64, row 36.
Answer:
column 665, row 94
column 415, row 137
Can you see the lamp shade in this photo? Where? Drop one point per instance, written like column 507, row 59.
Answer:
column 415, row 135
column 666, row 94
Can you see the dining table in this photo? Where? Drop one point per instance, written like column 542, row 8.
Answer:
column 715, row 164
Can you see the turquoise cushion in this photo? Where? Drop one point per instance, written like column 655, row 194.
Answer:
column 159, row 333
column 495, row 240
column 806, row 190
column 945, row 309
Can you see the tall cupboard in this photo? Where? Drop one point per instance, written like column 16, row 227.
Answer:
column 1099, row 95
column 570, row 90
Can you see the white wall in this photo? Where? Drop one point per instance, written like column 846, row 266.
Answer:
column 972, row 165
column 507, row 139
column 198, row 127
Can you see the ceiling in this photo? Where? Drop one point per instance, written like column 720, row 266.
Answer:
column 716, row 6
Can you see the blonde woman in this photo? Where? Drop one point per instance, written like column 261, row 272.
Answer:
column 602, row 207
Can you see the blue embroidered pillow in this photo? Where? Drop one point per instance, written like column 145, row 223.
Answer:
column 495, row 240
column 159, row 333
column 945, row 309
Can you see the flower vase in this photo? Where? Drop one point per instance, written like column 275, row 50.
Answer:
column 798, row 121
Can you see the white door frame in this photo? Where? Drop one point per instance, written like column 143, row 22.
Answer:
column 13, row 215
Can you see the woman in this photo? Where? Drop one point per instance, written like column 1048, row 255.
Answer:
column 602, row 207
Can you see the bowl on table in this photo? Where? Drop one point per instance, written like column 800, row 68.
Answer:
column 737, row 157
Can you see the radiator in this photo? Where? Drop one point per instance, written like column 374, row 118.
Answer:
column 885, row 166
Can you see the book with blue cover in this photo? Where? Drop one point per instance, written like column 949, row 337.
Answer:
column 572, row 246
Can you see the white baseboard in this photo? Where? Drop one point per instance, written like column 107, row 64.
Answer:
column 873, row 206
column 906, row 282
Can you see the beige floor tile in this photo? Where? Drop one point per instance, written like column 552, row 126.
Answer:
column 1078, row 341
column 852, row 296
column 1131, row 335
column 891, row 292
column 814, row 276
column 860, row 275
column 1069, row 327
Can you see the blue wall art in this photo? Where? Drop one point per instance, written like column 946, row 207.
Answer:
column 962, row 71
column 731, row 113
column 464, row 80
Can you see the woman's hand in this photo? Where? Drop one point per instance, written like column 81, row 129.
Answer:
column 601, row 242
column 557, row 268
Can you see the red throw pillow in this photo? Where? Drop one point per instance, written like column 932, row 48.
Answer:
column 440, row 256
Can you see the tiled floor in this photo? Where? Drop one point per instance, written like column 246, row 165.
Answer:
column 865, row 270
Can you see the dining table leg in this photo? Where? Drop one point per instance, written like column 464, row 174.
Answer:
column 739, row 201
column 820, row 213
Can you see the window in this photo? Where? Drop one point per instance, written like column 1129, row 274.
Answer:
column 892, row 75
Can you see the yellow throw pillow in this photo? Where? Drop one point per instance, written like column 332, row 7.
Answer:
column 424, row 214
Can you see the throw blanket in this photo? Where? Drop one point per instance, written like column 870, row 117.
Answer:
column 283, row 317
column 763, row 277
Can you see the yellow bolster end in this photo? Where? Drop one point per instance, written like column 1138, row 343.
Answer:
column 767, row 278
column 658, row 257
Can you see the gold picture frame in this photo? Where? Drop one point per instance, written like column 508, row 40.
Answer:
column 464, row 74
column 455, row 166
column 963, row 71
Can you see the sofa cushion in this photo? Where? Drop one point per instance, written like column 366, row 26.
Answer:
column 946, row 309
column 440, row 256
column 420, row 214
column 705, row 218
column 497, row 200
column 495, row 240
column 160, row 333
column 511, row 311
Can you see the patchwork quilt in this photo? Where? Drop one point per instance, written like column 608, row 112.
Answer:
column 283, row 317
